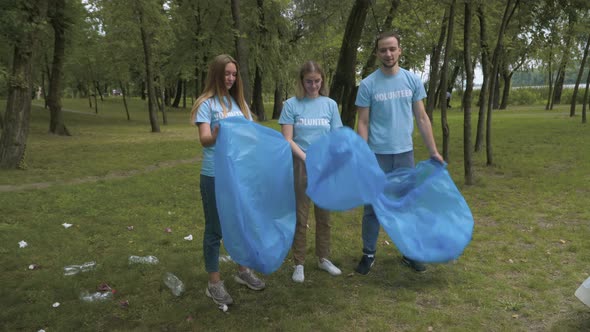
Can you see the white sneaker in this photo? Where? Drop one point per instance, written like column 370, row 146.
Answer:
column 298, row 275
column 326, row 265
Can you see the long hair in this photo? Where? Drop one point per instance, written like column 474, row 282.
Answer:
column 215, row 87
column 306, row 68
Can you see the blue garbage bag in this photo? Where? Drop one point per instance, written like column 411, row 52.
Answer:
column 424, row 213
column 255, row 193
column 342, row 171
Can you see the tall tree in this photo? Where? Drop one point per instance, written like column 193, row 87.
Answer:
column 257, row 102
column 59, row 22
column 579, row 78
column 446, row 132
column 485, row 68
column 434, row 66
column 467, row 155
column 241, row 50
column 149, row 77
column 585, row 101
column 342, row 89
column 27, row 17
column 511, row 6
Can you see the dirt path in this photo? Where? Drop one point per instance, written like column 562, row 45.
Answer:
column 91, row 179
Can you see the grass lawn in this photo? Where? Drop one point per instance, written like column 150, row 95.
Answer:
column 529, row 253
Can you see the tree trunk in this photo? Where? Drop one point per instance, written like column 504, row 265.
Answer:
column 467, row 156
column 149, row 79
column 434, row 65
column 511, row 6
column 485, row 54
column 164, row 115
column 507, row 77
column 89, row 95
column 344, row 82
column 97, row 85
column 585, row 101
column 558, row 86
column 278, row 101
column 13, row 139
column 183, row 93
column 124, row 94
column 178, row 94
column 257, row 102
column 241, row 51
column 143, row 89
column 550, row 77
column 57, row 19
column 95, row 101
column 446, row 132
column 579, row 78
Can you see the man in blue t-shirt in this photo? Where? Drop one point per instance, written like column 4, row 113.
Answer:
column 387, row 101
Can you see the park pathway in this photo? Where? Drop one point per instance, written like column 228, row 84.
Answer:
column 92, row 179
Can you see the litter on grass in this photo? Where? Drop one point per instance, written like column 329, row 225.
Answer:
column 189, row 237
column 66, row 225
column 22, row 244
column 75, row 269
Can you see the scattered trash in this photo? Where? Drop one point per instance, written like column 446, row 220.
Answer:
column 55, row 305
column 169, row 213
column 386, row 243
column 189, row 237
column 515, row 316
column 430, row 329
column 22, row 244
column 175, row 284
column 124, row 304
column 223, row 307
column 130, row 228
column 95, row 297
column 562, row 241
column 510, row 261
column 41, row 330
column 143, row 260
column 104, row 287
column 66, row 225
column 75, row 269
column 34, row 267
column 225, row 259
column 168, row 230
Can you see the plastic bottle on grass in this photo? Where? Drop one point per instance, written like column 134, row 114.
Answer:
column 175, row 284
column 143, row 260
column 75, row 269
column 96, row 297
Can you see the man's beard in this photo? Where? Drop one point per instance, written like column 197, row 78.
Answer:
column 389, row 66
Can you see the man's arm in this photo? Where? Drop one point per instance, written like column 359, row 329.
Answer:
column 425, row 128
column 363, row 125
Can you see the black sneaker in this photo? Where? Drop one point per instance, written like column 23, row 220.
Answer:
column 365, row 265
column 417, row 266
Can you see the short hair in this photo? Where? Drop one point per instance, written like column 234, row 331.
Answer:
column 306, row 68
column 387, row 34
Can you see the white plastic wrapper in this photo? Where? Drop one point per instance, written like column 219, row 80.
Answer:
column 22, row 244
column 55, row 305
column 66, row 225
column 189, row 237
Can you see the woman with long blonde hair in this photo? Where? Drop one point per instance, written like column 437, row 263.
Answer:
column 222, row 97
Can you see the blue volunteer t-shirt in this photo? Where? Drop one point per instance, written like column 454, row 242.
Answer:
column 390, row 99
column 311, row 118
column 211, row 112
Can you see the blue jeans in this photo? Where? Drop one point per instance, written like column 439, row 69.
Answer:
column 370, row 231
column 212, row 235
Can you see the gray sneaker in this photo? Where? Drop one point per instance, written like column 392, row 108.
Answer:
column 249, row 279
column 218, row 293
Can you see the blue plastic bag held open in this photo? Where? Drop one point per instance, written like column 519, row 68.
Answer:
column 255, row 194
column 342, row 172
column 424, row 213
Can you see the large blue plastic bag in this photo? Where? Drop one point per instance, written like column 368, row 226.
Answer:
column 342, row 171
column 424, row 213
column 255, row 193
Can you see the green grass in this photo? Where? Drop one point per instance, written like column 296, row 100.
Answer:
column 530, row 249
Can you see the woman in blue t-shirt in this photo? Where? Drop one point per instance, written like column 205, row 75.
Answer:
column 305, row 118
column 222, row 97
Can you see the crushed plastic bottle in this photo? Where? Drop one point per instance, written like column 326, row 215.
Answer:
column 75, row 269
column 143, row 260
column 175, row 284
column 95, row 297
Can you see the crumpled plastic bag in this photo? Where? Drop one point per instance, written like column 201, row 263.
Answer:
column 254, row 193
column 420, row 208
column 424, row 213
column 342, row 171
